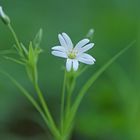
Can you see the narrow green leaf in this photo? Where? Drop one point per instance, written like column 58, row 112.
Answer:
column 24, row 49
column 15, row 47
column 31, row 55
column 81, row 71
column 14, row 60
column 38, row 38
column 31, row 51
column 92, row 80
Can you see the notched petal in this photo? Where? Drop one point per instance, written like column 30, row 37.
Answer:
column 75, row 65
column 59, row 54
column 87, row 59
column 69, row 64
column 62, row 40
column 67, row 40
column 81, row 43
column 59, row 48
column 86, row 48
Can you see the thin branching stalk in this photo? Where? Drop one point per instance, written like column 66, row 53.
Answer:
column 16, row 38
column 43, row 102
column 63, row 103
column 48, row 116
column 70, row 85
column 45, row 107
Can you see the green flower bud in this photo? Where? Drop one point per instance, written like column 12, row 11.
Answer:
column 90, row 34
column 4, row 17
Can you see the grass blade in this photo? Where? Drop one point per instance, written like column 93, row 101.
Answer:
column 93, row 78
column 13, row 60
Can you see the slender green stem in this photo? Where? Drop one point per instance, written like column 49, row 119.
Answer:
column 70, row 88
column 40, row 95
column 68, row 103
column 68, row 100
column 47, row 112
column 63, row 102
column 15, row 37
column 69, row 82
column 43, row 102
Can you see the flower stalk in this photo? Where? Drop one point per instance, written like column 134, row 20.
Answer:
column 68, row 87
column 63, row 102
column 47, row 112
column 74, row 55
column 18, row 46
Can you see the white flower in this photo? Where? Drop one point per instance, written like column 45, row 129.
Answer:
column 74, row 55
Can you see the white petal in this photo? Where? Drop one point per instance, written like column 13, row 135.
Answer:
column 86, row 58
column 68, row 40
column 86, row 48
column 68, row 64
column 75, row 65
column 0, row 10
column 59, row 54
column 62, row 40
column 2, row 14
column 81, row 43
column 59, row 48
column 85, row 61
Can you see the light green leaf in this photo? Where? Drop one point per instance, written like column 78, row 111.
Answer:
column 81, row 71
column 91, row 80
column 24, row 49
column 31, row 51
column 38, row 38
column 14, row 60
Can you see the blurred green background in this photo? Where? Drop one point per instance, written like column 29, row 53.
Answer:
column 111, row 109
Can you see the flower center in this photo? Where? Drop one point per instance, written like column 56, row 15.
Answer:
column 72, row 54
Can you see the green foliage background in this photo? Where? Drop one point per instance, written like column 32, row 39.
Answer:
column 111, row 109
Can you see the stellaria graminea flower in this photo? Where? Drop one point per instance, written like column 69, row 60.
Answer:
column 74, row 55
column 4, row 17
